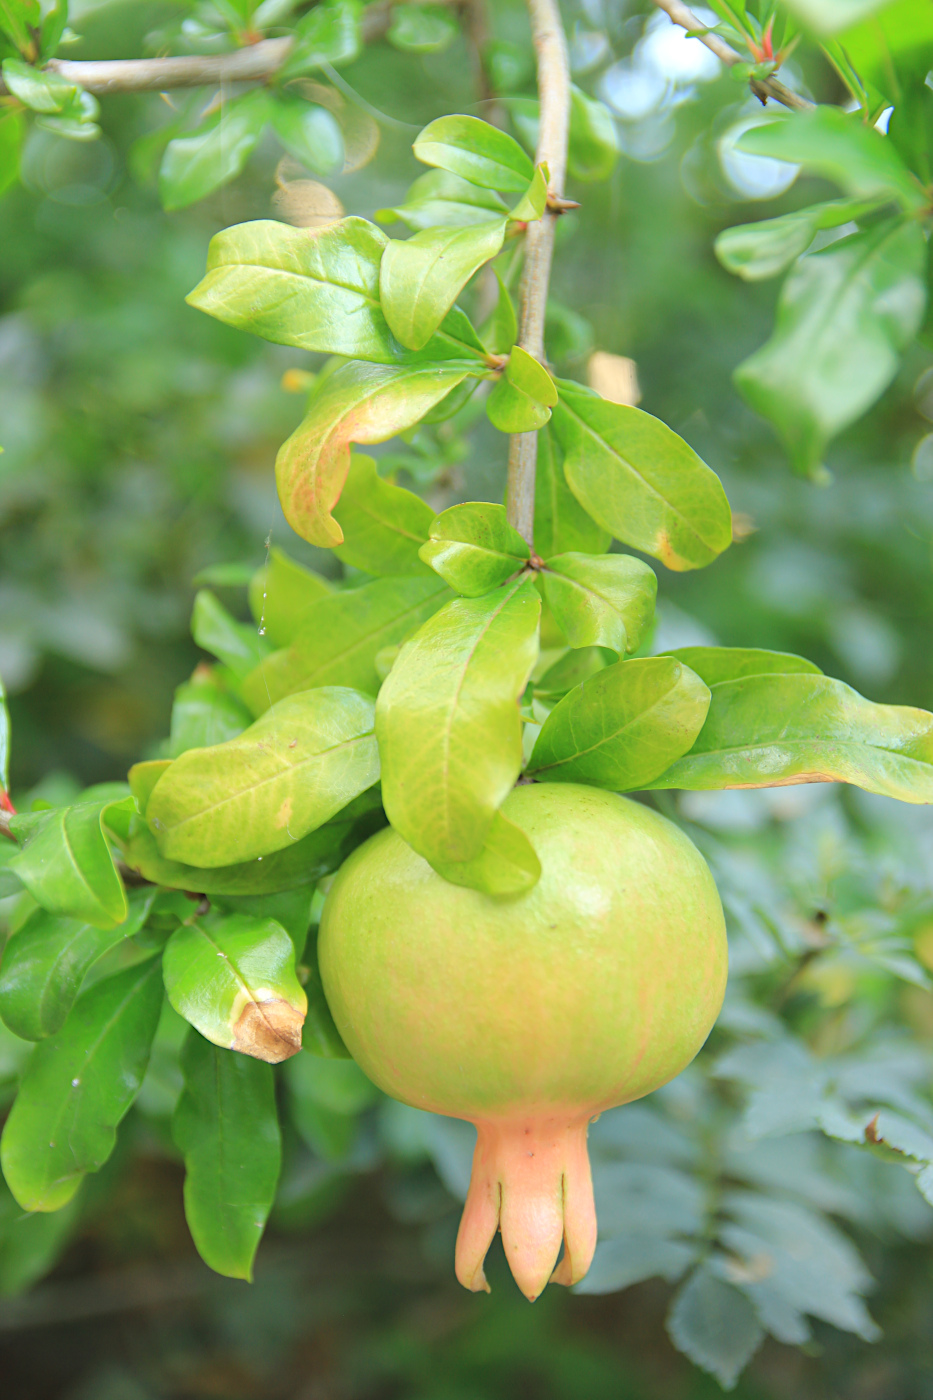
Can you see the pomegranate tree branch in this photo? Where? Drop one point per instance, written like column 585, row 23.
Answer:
column 550, row 45
column 249, row 64
column 763, row 88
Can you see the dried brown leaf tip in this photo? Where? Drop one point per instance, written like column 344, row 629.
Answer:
column 268, row 1030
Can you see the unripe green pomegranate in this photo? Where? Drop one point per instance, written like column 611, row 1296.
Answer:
column 529, row 1016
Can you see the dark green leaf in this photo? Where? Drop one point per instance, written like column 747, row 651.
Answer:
column 383, row 525
column 622, row 727
column 77, row 1088
column 232, row 977
column 845, row 315
column 640, row 481
column 477, row 152
column 474, row 548
column 338, row 643
column 205, row 712
column 195, row 166
column 757, row 251
column 226, row 1125
column 236, row 644
column 358, row 403
column 448, row 724
column 46, row 960
column 289, row 773
column 607, row 601
column 66, row 864
column 311, row 134
column 281, row 594
column 422, row 276
column 440, row 199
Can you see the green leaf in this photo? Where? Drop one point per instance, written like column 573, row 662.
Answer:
column 758, row 251
column 506, row 865
column 236, row 644
column 440, row 199
column 286, row 775
column 30, row 1245
column 17, row 17
column 594, row 146
column 12, row 131
column 227, row 1128
column 143, row 777
column 640, row 481
column 232, row 977
column 522, row 399
column 770, row 730
column 570, row 669
column 46, row 960
column 422, row 276
column 501, row 330
column 421, row 28
column 893, row 48
column 562, row 526
column 715, row 1325
column 357, row 403
column 622, row 727
column 66, row 865
column 41, row 90
column 326, row 1097
column 606, row 601
column 290, row 908
column 844, row 317
column 281, row 594
column 309, row 133
column 827, row 17
column 839, row 146
column 319, row 1035
column 294, row 866
column 329, row 33
column 533, row 202
column 383, row 525
column 476, row 151
column 78, row 1086
column 205, row 712
column 316, row 289
column 474, row 548
column 343, row 633
column 194, row 166
column 716, row 664
column 448, row 724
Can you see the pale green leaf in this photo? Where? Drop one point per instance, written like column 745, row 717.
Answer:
column 640, row 481
column 757, row 251
column 289, row 773
column 440, row 199
column 280, row 595
column 226, row 1126
column 422, row 276
column 327, row 34
column 66, row 865
column 239, row 646
column 422, row 28
column 383, row 525
column 606, row 601
column 512, row 411
column 194, row 166
column 474, row 548
column 232, row 977
column 623, row 726
column 476, row 151
column 501, row 330
column 309, row 133
column 561, row 524
column 827, row 17
column 533, row 202
column 204, row 712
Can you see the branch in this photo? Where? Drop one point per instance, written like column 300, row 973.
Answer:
column 763, row 88
column 256, row 61
column 554, row 94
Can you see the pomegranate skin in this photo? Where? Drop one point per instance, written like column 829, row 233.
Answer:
column 528, row 1016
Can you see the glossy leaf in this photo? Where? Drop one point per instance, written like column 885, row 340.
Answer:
column 227, row 1128
column 339, row 641
column 195, row 166
column 46, row 960
column 280, row 595
column 475, row 151
column 236, row 644
column 757, row 251
column 328, row 33
column 623, row 727
column 507, row 864
column 474, row 548
column 78, row 1086
column 714, row 1324
column 845, row 315
column 640, row 481
column 421, row 277
column 422, row 28
column 289, row 773
column 607, row 601
column 357, row 403
column 841, row 147
column 439, row 199
column 771, row 730
column 524, row 395
column 66, row 865
column 232, row 977
column 41, row 90
column 290, row 908
column 562, row 525
column 205, row 712
column 383, row 525
column 448, row 724
column 533, row 202
column 309, row 133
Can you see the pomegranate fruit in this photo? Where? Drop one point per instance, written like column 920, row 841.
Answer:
column 529, row 1016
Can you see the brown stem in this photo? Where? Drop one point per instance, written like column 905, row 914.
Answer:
column 554, row 94
column 763, row 88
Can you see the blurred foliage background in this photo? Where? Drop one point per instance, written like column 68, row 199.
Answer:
column 139, row 439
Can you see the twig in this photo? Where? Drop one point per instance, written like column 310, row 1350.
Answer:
column 763, row 88
column 5, row 824
column 248, row 64
column 554, row 95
